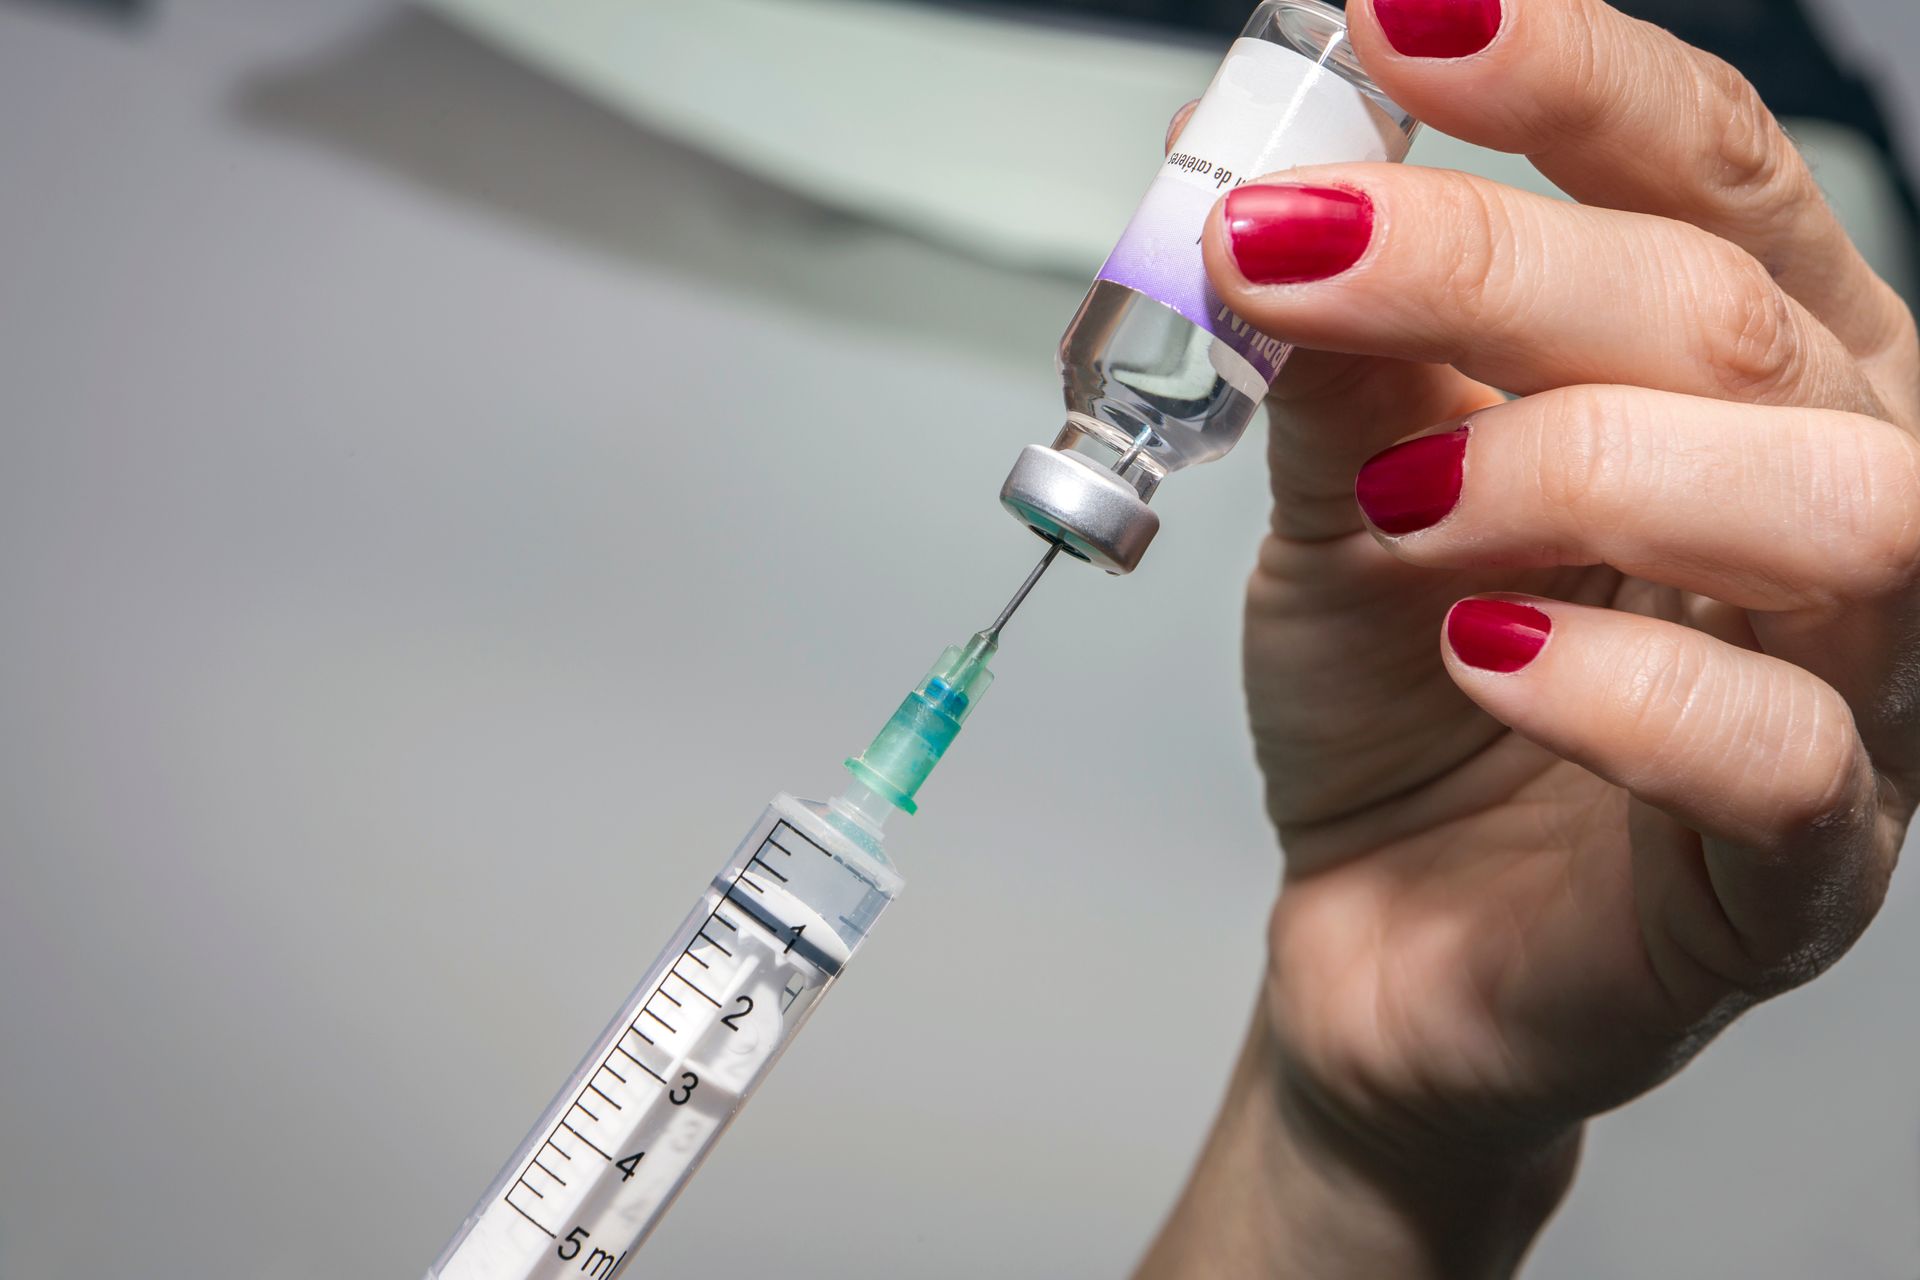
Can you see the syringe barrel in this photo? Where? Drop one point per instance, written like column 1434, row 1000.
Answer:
column 770, row 935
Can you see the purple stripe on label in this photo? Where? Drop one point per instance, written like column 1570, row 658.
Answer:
column 1159, row 255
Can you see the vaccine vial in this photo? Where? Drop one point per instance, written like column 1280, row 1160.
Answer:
column 1159, row 374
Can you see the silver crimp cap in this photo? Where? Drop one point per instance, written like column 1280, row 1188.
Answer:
column 1098, row 516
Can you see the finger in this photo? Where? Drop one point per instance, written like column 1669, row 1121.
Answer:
column 1329, row 410
column 1320, row 589
column 1618, row 112
column 1756, row 755
column 1517, row 290
column 1335, row 740
column 1764, row 508
column 1179, row 122
column 1809, row 519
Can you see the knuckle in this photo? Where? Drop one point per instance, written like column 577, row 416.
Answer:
column 1817, row 783
column 1821, row 804
column 1875, row 493
column 1898, row 345
column 1480, row 279
column 1852, row 488
column 1601, row 79
column 1590, row 96
column 1747, row 165
column 1585, row 453
column 1903, row 337
column 1660, row 676
column 1684, row 712
column 1749, row 336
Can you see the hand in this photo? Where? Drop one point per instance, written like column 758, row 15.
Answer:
column 1594, row 721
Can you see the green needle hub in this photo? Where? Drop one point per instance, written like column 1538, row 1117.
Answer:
column 904, row 753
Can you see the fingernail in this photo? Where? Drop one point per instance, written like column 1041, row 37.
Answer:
column 1438, row 28
column 1497, row 635
column 1287, row 235
column 1413, row 485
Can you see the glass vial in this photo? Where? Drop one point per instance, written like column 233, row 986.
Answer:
column 1159, row 374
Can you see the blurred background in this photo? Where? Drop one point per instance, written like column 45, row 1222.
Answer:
column 459, row 460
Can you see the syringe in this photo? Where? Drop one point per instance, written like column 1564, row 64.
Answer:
column 777, row 926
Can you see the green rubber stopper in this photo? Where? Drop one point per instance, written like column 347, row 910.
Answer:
column 904, row 753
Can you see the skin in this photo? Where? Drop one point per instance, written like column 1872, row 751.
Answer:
column 1512, row 901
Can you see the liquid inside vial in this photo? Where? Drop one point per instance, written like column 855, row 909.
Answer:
column 1133, row 364
column 1154, row 360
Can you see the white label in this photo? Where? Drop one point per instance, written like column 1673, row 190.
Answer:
column 1268, row 109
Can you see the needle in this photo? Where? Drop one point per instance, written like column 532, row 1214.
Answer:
column 993, row 632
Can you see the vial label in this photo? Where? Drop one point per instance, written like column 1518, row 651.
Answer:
column 1268, row 109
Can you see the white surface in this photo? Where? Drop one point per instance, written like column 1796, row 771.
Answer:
column 413, row 480
column 956, row 128
column 1022, row 144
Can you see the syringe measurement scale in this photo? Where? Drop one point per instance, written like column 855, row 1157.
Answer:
column 705, row 1026
column 659, row 1087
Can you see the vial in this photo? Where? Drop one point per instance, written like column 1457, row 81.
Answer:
column 1158, row 373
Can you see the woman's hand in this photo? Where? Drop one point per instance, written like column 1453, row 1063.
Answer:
column 1593, row 721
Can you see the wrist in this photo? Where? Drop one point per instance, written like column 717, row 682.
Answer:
column 1433, row 1206
column 1287, row 1186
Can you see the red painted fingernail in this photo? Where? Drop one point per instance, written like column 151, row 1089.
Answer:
column 1438, row 28
column 1413, row 485
column 1287, row 235
column 1497, row 635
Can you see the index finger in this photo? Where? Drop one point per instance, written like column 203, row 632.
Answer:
column 1329, row 411
column 1619, row 113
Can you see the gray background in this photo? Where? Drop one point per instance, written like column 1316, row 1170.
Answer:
column 435, row 515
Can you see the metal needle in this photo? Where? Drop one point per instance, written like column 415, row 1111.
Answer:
column 993, row 632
